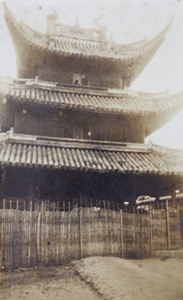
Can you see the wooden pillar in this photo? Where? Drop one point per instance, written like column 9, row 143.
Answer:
column 134, row 195
column 157, row 201
column 120, row 82
column 31, row 191
column 4, row 203
column 167, row 225
column 173, row 197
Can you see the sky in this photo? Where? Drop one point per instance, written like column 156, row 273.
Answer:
column 127, row 22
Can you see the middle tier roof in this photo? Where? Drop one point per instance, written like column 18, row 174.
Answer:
column 91, row 99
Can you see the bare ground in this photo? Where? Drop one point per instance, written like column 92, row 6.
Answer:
column 148, row 279
column 100, row 278
column 60, row 282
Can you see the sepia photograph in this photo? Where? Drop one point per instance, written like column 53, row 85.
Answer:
column 91, row 149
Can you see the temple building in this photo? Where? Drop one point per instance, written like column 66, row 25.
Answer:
column 71, row 130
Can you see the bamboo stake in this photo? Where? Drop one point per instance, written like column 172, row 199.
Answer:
column 107, row 230
column 80, row 229
column 121, row 226
column 151, row 232
column 38, row 236
column 17, row 207
column 167, row 225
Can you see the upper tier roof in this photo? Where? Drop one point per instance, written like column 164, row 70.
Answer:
column 132, row 57
column 155, row 108
column 40, row 152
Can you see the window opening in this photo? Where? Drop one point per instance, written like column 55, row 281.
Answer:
column 80, row 79
column 82, row 132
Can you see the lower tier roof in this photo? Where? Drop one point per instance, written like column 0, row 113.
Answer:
column 37, row 152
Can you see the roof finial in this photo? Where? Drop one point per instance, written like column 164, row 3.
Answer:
column 77, row 22
column 96, row 20
column 101, row 30
column 51, row 21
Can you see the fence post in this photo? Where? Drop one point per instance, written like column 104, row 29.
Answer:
column 121, row 227
column 31, row 205
column 17, row 206
column 151, row 231
column 181, row 225
column 1, row 240
column 107, row 229
column 38, row 237
column 167, row 225
column 69, row 230
column 138, row 233
column 80, row 232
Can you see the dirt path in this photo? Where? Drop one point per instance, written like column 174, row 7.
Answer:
column 149, row 279
column 45, row 283
column 108, row 278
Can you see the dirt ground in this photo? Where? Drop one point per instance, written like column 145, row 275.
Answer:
column 60, row 282
column 98, row 278
column 148, row 279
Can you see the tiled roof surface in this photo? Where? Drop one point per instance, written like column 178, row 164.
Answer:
column 69, row 45
column 124, row 103
column 79, row 47
column 63, row 157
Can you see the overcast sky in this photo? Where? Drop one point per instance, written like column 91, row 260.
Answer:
column 127, row 21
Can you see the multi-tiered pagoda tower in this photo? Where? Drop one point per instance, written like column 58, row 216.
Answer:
column 72, row 130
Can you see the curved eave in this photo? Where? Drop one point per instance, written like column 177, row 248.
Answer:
column 132, row 58
column 154, row 109
column 161, row 117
